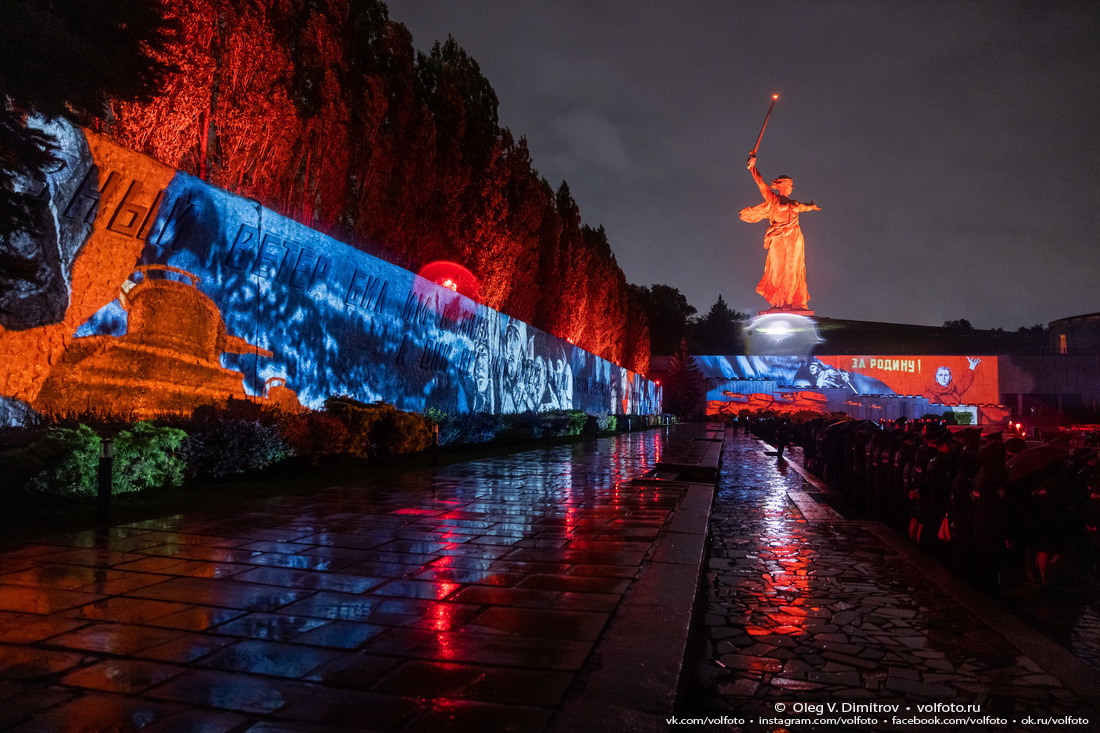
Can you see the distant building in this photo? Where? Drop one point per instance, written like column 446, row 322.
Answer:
column 1076, row 335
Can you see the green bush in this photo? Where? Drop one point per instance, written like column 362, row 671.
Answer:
column 145, row 456
column 65, row 462
column 578, row 421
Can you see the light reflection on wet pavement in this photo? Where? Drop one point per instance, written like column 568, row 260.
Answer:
column 828, row 611
column 463, row 598
column 472, row 597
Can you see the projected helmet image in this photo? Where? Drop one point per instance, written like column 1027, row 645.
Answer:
column 781, row 334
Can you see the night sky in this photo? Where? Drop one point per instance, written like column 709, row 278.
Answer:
column 954, row 147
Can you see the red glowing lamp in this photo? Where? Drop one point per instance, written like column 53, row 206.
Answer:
column 452, row 276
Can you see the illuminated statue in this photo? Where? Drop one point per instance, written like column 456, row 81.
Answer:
column 784, row 281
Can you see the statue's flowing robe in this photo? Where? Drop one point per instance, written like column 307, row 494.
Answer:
column 784, row 281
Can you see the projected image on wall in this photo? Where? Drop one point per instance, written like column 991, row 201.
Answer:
column 168, row 293
column 872, row 387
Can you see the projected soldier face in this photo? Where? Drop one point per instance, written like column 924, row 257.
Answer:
column 540, row 381
column 481, row 369
column 513, row 352
column 943, row 376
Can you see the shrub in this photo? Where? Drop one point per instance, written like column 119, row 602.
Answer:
column 578, row 420
column 379, row 429
column 358, row 419
column 145, row 456
column 220, row 447
column 413, row 434
column 469, row 429
column 481, row 427
column 520, row 426
column 314, row 435
column 65, row 462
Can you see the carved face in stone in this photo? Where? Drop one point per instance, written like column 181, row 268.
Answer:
column 35, row 283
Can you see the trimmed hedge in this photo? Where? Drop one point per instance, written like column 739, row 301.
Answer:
column 242, row 437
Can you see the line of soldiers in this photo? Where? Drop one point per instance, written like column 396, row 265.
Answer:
column 974, row 501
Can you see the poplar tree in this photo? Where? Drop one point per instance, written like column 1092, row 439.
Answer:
column 684, row 384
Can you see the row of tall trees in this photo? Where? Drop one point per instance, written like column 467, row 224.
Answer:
column 325, row 112
column 672, row 321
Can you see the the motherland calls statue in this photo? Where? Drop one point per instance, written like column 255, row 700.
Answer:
column 784, row 281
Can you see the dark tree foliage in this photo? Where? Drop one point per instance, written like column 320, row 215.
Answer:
column 684, row 384
column 719, row 331
column 960, row 324
column 668, row 314
column 66, row 58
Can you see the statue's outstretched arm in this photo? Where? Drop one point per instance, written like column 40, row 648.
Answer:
column 765, row 190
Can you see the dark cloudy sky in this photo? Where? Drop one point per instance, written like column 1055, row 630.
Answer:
column 953, row 146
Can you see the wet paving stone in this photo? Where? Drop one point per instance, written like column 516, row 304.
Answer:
column 268, row 658
column 42, row 599
column 198, row 721
column 185, row 649
column 221, row 592
column 485, row 684
column 195, row 618
column 114, row 638
column 125, row 676
column 73, row 577
column 542, row 624
column 121, row 608
column 24, row 663
column 468, row 597
column 826, row 610
column 272, row 626
column 228, row 691
column 99, row 712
